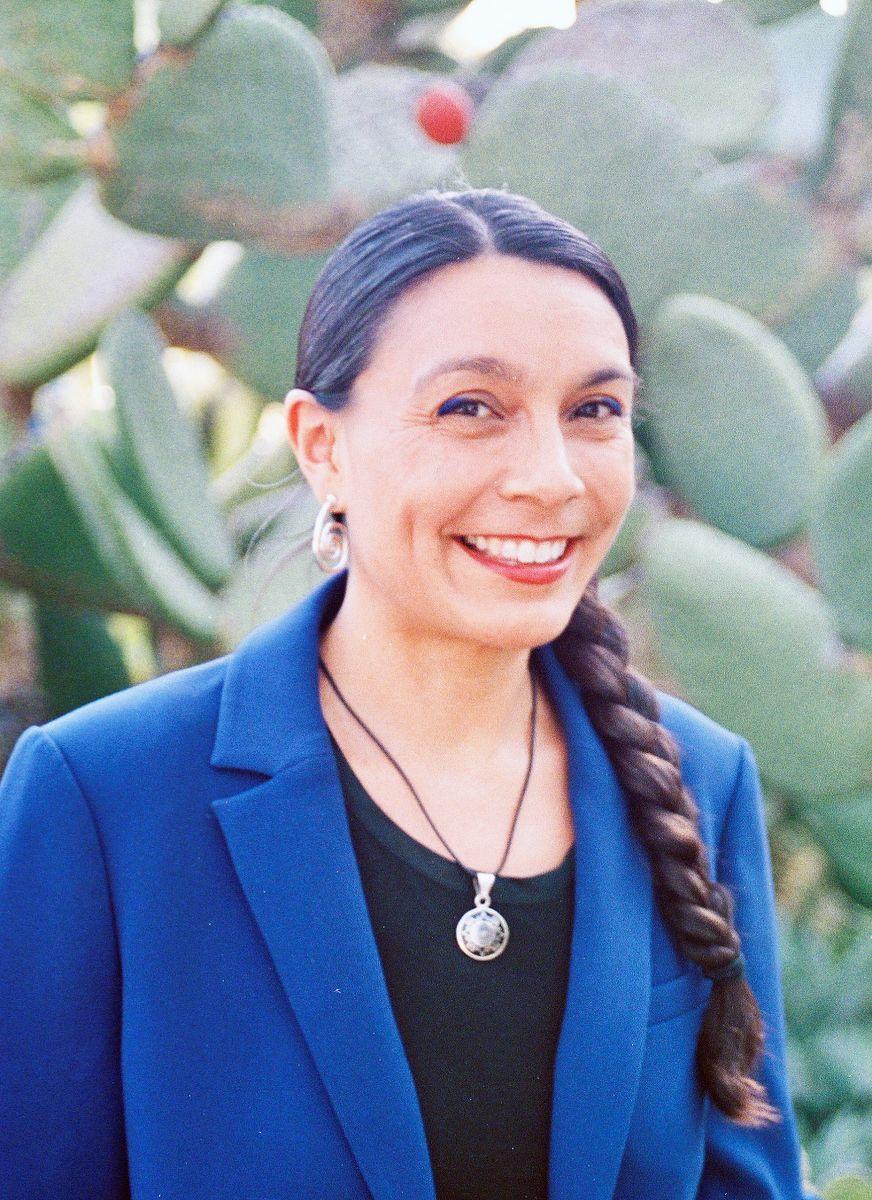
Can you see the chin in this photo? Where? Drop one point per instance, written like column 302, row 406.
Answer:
column 521, row 631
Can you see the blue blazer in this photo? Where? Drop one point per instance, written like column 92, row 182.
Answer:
column 192, row 1004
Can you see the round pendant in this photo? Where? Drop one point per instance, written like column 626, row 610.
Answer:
column 482, row 932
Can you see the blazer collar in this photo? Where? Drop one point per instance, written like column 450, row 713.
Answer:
column 270, row 711
column 289, row 843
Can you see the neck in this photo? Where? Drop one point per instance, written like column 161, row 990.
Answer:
column 426, row 691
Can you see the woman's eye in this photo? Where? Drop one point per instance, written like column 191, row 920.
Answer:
column 457, row 403
column 615, row 408
column 463, row 405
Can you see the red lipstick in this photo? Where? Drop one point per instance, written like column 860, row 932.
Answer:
column 523, row 572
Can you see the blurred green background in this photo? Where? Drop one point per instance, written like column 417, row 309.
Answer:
column 173, row 175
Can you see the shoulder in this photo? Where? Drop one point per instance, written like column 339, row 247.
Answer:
column 712, row 759
column 155, row 725
column 697, row 733
column 133, row 768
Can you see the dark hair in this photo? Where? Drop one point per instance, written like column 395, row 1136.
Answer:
column 351, row 298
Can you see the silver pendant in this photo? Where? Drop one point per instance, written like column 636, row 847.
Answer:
column 482, row 932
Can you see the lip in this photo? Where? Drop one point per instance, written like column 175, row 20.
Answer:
column 523, row 537
column 524, row 572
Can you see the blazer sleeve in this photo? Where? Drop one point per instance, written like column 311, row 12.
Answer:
column 763, row 1163
column 61, row 1116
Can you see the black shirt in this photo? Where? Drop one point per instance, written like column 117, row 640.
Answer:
column 480, row 1036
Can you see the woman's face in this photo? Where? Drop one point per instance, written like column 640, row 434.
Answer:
column 518, row 446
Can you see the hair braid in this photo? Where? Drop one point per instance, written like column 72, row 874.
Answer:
column 625, row 712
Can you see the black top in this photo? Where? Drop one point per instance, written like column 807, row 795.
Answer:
column 480, row 1035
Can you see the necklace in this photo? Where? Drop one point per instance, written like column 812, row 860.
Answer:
column 482, row 932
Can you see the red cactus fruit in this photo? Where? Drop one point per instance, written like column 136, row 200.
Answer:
column 444, row 112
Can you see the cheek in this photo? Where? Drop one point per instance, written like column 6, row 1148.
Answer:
column 610, row 477
column 403, row 510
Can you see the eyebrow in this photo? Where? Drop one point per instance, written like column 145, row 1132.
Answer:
column 487, row 365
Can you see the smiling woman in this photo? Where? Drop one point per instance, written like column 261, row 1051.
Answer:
column 515, row 448
column 423, row 891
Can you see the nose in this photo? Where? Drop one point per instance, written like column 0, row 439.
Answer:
column 540, row 467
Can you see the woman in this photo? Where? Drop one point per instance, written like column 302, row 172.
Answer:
column 423, row 891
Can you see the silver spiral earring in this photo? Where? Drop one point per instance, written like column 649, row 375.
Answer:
column 329, row 539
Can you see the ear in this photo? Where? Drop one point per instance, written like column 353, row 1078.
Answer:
column 313, row 433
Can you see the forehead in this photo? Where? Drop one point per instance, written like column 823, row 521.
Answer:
column 545, row 317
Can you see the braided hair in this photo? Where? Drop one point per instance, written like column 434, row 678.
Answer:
column 346, row 310
column 698, row 911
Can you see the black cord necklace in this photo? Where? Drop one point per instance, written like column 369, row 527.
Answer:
column 481, row 932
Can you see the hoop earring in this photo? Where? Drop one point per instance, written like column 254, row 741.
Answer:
column 329, row 539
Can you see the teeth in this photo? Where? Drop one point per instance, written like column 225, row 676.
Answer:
column 519, row 550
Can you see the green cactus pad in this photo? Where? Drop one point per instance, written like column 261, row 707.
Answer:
column 156, row 455
column 820, row 319
column 624, row 550
column 79, row 660
column 498, row 59
column 418, row 8
column 843, row 827
column 82, row 270
column 840, row 533
column 847, row 370
column 42, row 528
column 67, row 523
column 157, row 579
column 74, row 51
column 593, row 151
column 175, row 594
column 746, row 244
column 380, row 154
column 260, row 305
column 709, row 62
column 266, row 464
column 233, row 415
column 270, row 578
column 182, row 20
column 851, row 1186
column 766, row 11
column 256, row 517
column 805, row 47
column 232, row 139
column 36, row 143
column 734, row 426
column 754, row 648
column 24, row 213
column 305, row 11
column 850, row 109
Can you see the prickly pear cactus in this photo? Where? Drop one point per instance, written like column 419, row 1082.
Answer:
column 261, row 298
column 735, row 426
column 81, row 51
column 709, row 62
column 624, row 192
column 84, row 267
column 379, row 152
column 253, row 69
column 839, row 533
column 154, row 452
column 757, row 649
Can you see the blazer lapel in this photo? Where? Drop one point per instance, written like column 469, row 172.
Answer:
column 602, row 1038
column 290, row 845
column 291, row 848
